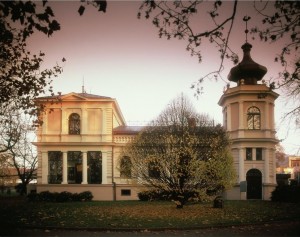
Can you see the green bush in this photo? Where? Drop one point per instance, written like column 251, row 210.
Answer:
column 286, row 193
column 47, row 196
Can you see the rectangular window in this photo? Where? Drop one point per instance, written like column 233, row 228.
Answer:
column 55, row 167
column 125, row 192
column 94, row 162
column 248, row 153
column 74, row 167
column 258, row 153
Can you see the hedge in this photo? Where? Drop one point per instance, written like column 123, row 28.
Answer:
column 47, row 196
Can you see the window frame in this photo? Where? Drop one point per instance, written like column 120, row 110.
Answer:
column 253, row 116
column 92, row 164
column 259, row 155
column 249, row 153
column 55, row 160
column 75, row 157
column 126, row 192
column 74, row 124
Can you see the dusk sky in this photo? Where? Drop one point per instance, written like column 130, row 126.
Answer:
column 122, row 57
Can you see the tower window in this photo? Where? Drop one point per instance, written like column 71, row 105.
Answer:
column 259, row 154
column 74, row 124
column 248, row 153
column 253, row 118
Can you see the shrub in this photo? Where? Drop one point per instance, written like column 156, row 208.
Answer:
column 64, row 197
column 47, row 196
column 86, row 196
column 157, row 195
column 286, row 193
column 145, row 195
column 32, row 197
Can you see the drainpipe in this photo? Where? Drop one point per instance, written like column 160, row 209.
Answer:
column 113, row 175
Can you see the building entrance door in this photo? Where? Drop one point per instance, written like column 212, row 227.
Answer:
column 254, row 184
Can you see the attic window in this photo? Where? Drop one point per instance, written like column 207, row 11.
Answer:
column 74, row 124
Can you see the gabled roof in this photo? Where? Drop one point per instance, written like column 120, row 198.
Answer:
column 82, row 97
column 79, row 95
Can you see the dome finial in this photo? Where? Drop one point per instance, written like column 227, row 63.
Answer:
column 246, row 19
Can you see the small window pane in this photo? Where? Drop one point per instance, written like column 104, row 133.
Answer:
column 253, row 118
column 248, row 153
column 258, row 153
column 125, row 192
column 74, row 167
column 55, row 167
column 94, row 167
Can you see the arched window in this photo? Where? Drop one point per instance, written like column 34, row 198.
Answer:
column 253, row 118
column 74, row 124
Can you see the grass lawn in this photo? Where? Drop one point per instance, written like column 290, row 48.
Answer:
column 137, row 214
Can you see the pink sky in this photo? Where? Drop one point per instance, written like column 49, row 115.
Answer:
column 122, row 57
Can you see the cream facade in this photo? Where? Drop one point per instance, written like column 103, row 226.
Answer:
column 79, row 147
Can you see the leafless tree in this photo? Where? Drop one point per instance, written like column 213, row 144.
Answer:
column 182, row 154
column 16, row 137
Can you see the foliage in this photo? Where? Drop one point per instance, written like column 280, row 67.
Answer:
column 182, row 152
column 286, row 193
column 65, row 196
column 22, row 78
column 284, row 23
column 281, row 157
column 140, row 215
column 280, row 20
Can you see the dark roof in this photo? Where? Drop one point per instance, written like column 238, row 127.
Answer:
column 247, row 69
column 86, row 95
column 130, row 130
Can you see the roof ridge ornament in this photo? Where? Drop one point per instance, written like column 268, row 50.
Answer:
column 246, row 19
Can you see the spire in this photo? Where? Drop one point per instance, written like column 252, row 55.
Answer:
column 246, row 19
column 82, row 87
column 247, row 71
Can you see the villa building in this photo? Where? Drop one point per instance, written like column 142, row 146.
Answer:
column 80, row 141
column 79, row 146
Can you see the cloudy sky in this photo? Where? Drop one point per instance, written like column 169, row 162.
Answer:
column 122, row 57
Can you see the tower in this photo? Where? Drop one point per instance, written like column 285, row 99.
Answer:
column 248, row 117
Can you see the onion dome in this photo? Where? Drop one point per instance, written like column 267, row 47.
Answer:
column 247, row 70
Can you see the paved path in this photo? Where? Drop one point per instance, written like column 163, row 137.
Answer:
column 272, row 229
